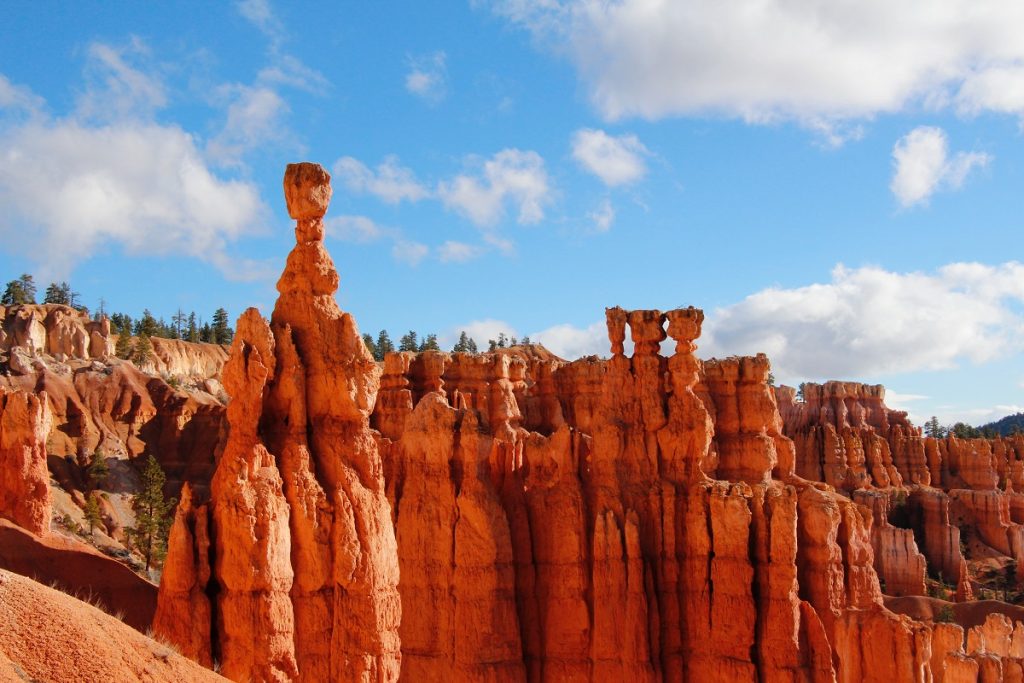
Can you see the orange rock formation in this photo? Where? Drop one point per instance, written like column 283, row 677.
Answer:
column 637, row 518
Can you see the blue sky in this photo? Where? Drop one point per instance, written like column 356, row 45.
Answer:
column 839, row 185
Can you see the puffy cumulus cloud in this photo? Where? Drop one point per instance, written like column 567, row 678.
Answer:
column 458, row 252
column 763, row 60
column 603, row 216
column 615, row 160
column 870, row 321
column 67, row 189
column 571, row 342
column 511, row 176
column 390, row 182
column 427, row 77
column 922, row 165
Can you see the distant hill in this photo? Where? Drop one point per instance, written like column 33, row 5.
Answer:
column 1007, row 425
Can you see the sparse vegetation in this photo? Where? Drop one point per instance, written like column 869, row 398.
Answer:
column 152, row 515
column 92, row 512
column 97, row 470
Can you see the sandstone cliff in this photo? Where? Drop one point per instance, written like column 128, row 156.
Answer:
column 635, row 518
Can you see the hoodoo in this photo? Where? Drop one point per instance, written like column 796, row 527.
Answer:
column 513, row 517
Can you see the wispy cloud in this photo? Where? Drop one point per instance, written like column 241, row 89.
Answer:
column 427, row 77
column 616, row 160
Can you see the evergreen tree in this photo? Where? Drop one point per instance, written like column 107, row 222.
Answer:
column 471, row 347
column 222, row 334
column 57, row 294
column 193, row 329
column 101, row 312
column 933, row 428
column 152, row 514
column 370, row 346
column 408, row 342
column 92, row 511
column 124, row 348
column 526, row 341
column 98, row 470
column 429, row 344
column 206, row 333
column 121, row 323
column 178, row 321
column 384, row 345
column 20, row 291
column 461, row 346
column 147, row 325
column 143, row 351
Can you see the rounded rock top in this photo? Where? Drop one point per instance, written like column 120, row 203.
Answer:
column 307, row 190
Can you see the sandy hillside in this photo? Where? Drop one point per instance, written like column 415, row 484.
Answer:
column 46, row 635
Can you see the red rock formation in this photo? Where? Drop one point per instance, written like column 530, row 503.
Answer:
column 637, row 518
column 24, row 479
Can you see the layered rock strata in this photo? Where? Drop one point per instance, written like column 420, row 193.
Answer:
column 636, row 518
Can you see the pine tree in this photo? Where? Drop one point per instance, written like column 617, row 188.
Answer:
column 461, row 346
column 178, row 321
column 152, row 514
column 57, row 294
column 92, row 511
column 370, row 346
column 147, row 325
column 98, row 470
column 384, row 345
column 101, row 312
column 429, row 344
column 206, row 333
column 933, row 428
column 124, row 348
column 222, row 334
column 471, row 346
column 20, row 291
column 143, row 351
column 408, row 342
column 193, row 329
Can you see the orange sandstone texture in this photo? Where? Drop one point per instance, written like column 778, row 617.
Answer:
column 24, row 479
column 638, row 518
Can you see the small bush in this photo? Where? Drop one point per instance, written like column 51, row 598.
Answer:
column 945, row 615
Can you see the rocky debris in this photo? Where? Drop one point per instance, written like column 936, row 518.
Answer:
column 24, row 479
column 46, row 635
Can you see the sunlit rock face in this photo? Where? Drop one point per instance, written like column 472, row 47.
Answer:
column 511, row 516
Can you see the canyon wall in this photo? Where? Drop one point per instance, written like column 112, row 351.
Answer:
column 514, row 517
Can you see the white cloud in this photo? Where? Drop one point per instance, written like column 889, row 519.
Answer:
column 511, row 175
column 255, row 117
column 457, row 252
column 923, row 166
column 261, row 15
column 603, row 216
column 869, row 321
column 615, row 160
column 67, row 189
column 354, row 229
column 409, row 252
column 391, row 182
column 428, row 77
column 762, row 60
column 483, row 330
column 18, row 98
column 571, row 342
column 116, row 89
column 290, row 71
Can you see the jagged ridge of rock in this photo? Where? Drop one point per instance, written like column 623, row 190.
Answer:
column 636, row 518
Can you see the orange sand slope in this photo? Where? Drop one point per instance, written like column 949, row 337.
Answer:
column 46, row 635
